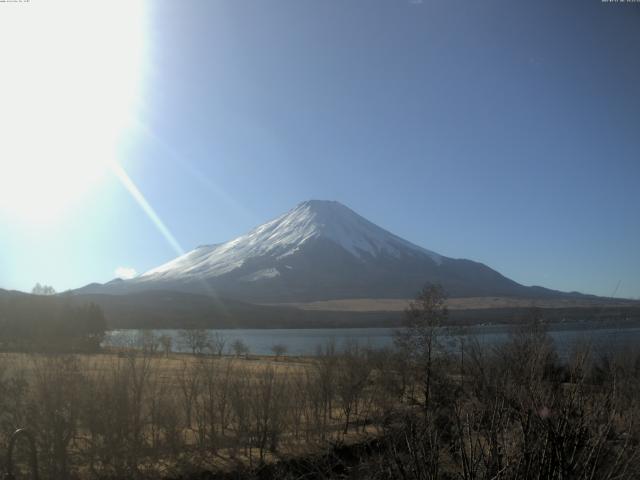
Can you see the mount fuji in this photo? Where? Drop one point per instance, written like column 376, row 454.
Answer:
column 320, row 250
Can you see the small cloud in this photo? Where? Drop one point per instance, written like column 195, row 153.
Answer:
column 126, row 273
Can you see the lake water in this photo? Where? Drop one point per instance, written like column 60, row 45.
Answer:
column 306, row 341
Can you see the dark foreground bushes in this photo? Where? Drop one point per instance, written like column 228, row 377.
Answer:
column 514, row 412
column 508, row 413
column 38, row 323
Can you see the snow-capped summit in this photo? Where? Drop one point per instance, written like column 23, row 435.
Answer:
column 284, row 236
column 338, row 223
column 318, row 250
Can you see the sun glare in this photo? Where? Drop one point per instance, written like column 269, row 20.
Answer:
column 70, row 83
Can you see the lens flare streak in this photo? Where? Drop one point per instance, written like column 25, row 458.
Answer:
column 135, row 192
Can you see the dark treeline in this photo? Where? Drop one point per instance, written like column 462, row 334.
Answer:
column 49, row 323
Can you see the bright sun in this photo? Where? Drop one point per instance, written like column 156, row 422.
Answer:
column 69, row 84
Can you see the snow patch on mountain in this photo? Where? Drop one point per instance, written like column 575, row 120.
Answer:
column 263, row 274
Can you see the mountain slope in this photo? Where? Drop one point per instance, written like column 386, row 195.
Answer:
column 319, row 250
column 285, row 236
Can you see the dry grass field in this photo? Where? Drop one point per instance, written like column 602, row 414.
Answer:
column 135, row 414
column 169, row 367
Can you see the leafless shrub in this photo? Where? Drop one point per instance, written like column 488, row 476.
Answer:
column 196, row 340
column 240, row 348
column 218, row 343
column 239, row 394
column 54, row 409
column 13, row 403
column 267, row 408
column 279, row 350
column 326, row 366
column 352, row 377
column 189, row 384
column 419, row 339
column 166, row 342
column 147, row 341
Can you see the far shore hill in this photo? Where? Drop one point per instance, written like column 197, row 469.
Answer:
column 464, row 303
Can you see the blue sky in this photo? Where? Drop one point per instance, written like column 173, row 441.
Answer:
column 507, row 134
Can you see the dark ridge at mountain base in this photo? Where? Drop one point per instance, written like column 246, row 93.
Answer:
column 162, row 309
column 157, row 309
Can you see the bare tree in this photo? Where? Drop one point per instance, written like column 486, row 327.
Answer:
column 166, row 341
column 55, row 410
column 279, row 349
column 267, row 409
column 189, row 383
column 351, row 380
column 240, row 389
column 326, row 365
column 195, row 339
column 147, row 341
column 240, row 348
column 422, row 325
column 218, row 342
column 216, row 380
